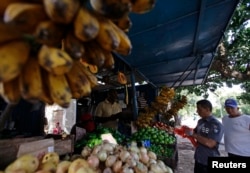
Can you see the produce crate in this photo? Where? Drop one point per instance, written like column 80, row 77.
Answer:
column 9, row 148
column 65, row 146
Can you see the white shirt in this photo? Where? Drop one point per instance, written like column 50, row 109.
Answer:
column 106, row 109
column 237, row 135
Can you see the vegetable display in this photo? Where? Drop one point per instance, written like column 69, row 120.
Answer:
column 155, row 136
column 94, row 138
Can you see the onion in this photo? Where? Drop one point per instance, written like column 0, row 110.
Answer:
column 86, row 152
column 143, row 150
column 134, row 155
column 93, row 161
column 140, row 168
column 156, row 168
column 124, row 155
column 144, row 158
column 102, row 155
column 152, row 161
column 152, row 155
column 107, row 170
column 127, row 169
column 162, row 165
column 108, row 147
column 117, row 166
column 111, row 159
column 134, row 147
column 96, row 149
column 131, row 162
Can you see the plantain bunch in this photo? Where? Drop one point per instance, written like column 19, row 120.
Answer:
column 176, row 105
column 166, row 104
column 51, row 50
column 145, row 119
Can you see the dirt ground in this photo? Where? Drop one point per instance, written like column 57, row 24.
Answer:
column 185, row 149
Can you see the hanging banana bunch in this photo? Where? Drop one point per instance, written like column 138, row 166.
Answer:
column 51, row 50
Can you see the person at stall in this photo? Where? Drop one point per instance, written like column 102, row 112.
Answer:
column 237, row 130
column 208, row 134
column 107, row 111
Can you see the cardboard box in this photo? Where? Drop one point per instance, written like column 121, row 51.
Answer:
column 10, row 147
column 37, row 148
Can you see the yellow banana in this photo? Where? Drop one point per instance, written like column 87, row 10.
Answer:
column 142, row 6
column 92, row 68
column 54, row 60
column 49, row 33
column 59, row 90
column 5, row 3
column 86, row 25
column 61, row 11
column 125, row 46
column 13, row 56
column 91, row 77
column 94, row 54
column 10, row 91
column 31, row 85
column 123, row 23
column 107, row 37
column 109, row 62
column 45, row 96
column 8, row 33
column 73, row 46
column 78, row 82
column 24, row 16
column 112, row 8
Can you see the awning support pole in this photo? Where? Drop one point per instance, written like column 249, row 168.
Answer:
column 134, row 97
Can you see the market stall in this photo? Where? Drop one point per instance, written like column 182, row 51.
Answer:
column 53, row 53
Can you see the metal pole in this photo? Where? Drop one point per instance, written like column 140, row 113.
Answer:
column 134, row 97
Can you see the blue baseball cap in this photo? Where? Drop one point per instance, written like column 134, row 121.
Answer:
column 231, row 103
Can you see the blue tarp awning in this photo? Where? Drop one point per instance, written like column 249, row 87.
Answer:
column 175, row 43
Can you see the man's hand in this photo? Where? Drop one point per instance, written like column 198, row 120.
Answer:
column 188, row 131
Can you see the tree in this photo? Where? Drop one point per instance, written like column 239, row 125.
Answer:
column 231, row 64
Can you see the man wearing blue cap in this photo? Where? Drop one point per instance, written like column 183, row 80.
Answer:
column 236, row 130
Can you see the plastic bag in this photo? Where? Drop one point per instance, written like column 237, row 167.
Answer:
column 182, row 132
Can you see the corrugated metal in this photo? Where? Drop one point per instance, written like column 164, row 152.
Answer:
column 174, row 44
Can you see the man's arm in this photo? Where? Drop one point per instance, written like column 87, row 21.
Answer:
column 210, row 143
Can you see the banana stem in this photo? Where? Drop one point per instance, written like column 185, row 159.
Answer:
column 5, row 115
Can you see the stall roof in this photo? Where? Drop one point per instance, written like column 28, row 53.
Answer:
column 174, row 44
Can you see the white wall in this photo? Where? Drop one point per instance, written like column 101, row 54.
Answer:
column 65, row 116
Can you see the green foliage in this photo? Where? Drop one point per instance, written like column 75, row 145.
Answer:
column 232, row 58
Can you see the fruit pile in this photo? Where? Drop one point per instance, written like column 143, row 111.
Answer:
column 154, row 135
column 158, row 141
column 105, row 157
column 163, row 126
column 51, row 50
column 94, row 138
